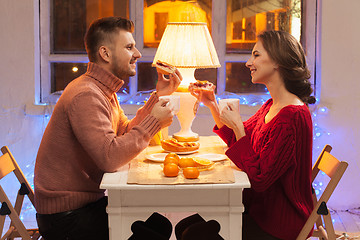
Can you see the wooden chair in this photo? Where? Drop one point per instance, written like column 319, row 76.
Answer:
column 16, row 228
column 320, row 215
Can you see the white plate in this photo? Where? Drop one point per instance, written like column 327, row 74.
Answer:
column 156, row 157
column 180, row 153
column 212, row 156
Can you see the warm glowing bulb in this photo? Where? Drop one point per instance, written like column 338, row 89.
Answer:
column 75, row 69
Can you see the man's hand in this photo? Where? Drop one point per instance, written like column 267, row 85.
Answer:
column 164, row 112
column 166, row 86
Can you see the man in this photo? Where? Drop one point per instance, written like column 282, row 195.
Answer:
column 89, row 135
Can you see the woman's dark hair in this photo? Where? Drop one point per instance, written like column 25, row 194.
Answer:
column 101, row 31
column 288, row 53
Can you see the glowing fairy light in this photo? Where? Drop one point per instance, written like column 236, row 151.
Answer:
column 75, row 69
column 318, row 144
column 323, row 109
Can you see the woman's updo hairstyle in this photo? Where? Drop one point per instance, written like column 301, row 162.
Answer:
column 288, row 53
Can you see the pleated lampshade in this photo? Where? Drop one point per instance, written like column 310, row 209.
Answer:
column 187, row 45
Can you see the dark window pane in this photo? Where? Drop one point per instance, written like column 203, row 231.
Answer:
column 208, row 74
column 238, row 79
column 71, row 18
column 69, row 26
column 147, row 76
column 63, row 73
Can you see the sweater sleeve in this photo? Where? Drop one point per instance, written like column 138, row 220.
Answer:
column 267, row 164
column 228, row 135
column 90, row 119
column 144, row 111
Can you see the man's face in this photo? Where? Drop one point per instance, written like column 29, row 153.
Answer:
column 124, row 55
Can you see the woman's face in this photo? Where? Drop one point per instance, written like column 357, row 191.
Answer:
column 261, row 66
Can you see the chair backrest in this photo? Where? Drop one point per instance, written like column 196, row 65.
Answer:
column 320, row 216
column 17, row 228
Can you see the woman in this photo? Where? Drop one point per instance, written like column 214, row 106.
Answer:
column 274, row 146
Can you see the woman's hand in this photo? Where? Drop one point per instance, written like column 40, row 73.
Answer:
column 230, row 116
column 206, row 96
column 166, row 86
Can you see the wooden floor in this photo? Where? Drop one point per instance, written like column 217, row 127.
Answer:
column 347, row 221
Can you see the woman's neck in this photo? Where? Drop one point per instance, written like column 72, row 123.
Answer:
column 281, row 96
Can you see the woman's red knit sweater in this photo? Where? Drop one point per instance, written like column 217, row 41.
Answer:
column 277, row 157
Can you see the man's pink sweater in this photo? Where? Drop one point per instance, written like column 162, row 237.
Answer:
column 88, row 135
column 277, row 157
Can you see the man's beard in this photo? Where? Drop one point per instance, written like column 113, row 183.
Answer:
column 121, row 72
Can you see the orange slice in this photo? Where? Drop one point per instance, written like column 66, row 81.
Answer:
column 203, row 163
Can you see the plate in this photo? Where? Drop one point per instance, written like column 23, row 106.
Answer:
column 156, row 157
column 212, row 156
column 180, row 153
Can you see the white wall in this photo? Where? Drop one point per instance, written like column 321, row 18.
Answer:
column 340, row 83
column 21, row 133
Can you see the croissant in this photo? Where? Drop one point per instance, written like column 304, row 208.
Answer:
column 172, row 145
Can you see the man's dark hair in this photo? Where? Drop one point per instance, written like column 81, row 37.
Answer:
column 100, row 32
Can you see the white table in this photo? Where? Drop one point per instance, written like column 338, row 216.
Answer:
column 131, row 202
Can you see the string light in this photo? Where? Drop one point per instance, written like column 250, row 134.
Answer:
column 318, row 144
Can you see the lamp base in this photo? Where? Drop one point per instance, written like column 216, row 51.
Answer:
column 186, row 116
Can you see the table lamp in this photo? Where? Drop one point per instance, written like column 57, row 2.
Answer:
column 187, row 46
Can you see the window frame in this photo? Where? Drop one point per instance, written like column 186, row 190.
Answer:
column 218, row 32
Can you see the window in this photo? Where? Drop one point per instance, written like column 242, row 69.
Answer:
column 63, row 25
column 233, row 24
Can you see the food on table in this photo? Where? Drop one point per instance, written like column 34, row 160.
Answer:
column 186, row 162
column 173, row 145
column 164, row 68
column 171, row 158
column 171, row 170
column 203, row 164
column 200, row 162
column 187, row 138
column 191, row 172
column 191, row 166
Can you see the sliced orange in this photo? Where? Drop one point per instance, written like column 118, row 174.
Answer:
column 203, row 164
column 199, row 162
column 191, row 172
column 171, row 170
